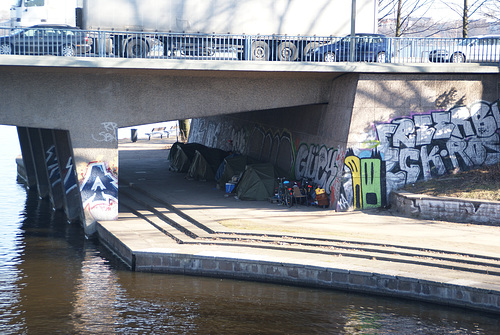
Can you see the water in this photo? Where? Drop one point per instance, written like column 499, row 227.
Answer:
column 55, row 281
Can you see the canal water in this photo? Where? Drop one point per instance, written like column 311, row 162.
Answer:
column 55, row 281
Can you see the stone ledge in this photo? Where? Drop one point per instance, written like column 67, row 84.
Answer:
column 369, row 281
column 446, row 209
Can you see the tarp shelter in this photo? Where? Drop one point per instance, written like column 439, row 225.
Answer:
column 205, row 163
column 257, row 183
column 233, row 165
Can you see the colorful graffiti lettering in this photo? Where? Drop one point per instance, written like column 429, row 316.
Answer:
column 367, row 180
column 99, row 191
column 321, row 164
column 418, row 147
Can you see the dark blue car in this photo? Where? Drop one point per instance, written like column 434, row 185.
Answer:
column 46, row 39
column 367, row 48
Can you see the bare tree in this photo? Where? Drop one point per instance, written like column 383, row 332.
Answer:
column 412, row 17
column 468, row 9
column 405, row 13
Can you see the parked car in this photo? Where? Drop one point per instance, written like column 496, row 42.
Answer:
column 476, row 49
column 62, row 40
column 367, row 48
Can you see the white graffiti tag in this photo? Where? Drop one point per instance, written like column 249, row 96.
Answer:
column 109, row 134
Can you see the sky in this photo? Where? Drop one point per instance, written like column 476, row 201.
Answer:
column 439, row 10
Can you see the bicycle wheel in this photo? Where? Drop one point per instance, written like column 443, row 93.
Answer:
column 288, row 199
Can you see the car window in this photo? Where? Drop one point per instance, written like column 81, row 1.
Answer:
column 51, row 32
column 34, row 3
column 490, row 41
column 68, row 33
column 31, row 32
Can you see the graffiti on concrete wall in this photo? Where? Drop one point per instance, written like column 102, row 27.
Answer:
column 52, row 166
column 324, row 166
column 420, row 147
column 69, row 176
column 274, row 146
column 222, row 135
column 99, row 191
column 366, row 185
column 265, row 144
column 108, row 133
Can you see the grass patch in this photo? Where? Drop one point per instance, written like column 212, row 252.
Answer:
column 482, row 183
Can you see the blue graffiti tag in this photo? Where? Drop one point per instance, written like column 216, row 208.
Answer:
column 100, row 186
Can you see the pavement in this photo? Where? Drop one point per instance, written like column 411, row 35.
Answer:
column 170, row 224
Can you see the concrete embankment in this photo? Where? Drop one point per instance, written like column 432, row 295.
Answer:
column 169, row 224
column 447, row 209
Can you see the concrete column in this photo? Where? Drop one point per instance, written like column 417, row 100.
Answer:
column 27, row 154
column 52, row 163
column 95, row 149
column 42, row 176
column 72, row 199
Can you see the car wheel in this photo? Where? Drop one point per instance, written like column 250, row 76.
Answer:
column 68, row 51
column 308, row 55
column 457, row 58
column 137, row 48
column 287, row 51
column 329, row 57
column 381, row 57
column 5, row 49
column 260, row 51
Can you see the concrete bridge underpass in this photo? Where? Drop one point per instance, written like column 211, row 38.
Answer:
column 68, row 110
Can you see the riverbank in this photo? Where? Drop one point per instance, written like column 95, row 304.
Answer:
column 173, row 225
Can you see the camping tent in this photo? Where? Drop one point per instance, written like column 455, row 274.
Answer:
column 233, row 165
column 182, row 154
column 179, row 161
column 257, row 182
column 205, row 163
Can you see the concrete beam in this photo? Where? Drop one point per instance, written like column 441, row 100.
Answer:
column 67, row 96
column 247, row 66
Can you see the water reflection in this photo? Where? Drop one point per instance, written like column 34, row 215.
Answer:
column 97, row 293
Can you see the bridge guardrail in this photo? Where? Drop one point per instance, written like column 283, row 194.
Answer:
column 231, row 47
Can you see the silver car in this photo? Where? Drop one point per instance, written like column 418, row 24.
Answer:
column 480, row 49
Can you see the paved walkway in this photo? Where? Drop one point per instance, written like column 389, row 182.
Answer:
column 173, row 225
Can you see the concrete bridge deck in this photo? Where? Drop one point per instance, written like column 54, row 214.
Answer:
column 172, row 225
column 243, row 66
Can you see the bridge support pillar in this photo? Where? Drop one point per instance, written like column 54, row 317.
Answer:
column 47, row 160
column 53, row 170
column 38, row 156
column 96, row 163
column 27, row 154
column 69, row 180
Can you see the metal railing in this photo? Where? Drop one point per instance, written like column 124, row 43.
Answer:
column 231, row 47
